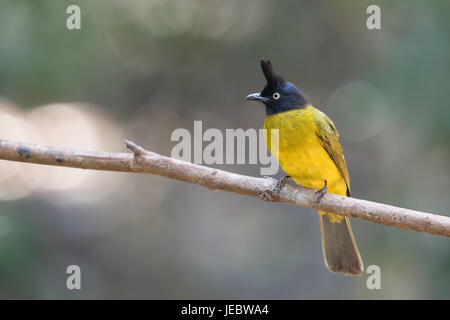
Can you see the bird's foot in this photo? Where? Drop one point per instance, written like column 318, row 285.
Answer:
column 280, row 185
column 321, row 192
column 274, row 193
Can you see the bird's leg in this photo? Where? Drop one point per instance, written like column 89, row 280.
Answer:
column 273, row 194
column 321, row 192
column 280, row 185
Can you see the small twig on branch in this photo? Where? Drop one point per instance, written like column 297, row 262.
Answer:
column 143, row 161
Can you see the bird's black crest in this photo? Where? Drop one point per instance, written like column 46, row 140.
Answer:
column 273, row 80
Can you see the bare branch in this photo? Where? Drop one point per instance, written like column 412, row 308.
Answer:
column 143, row 161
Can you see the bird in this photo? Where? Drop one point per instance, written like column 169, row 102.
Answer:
column 310, row 153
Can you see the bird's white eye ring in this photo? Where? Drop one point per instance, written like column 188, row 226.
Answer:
column 276, row 96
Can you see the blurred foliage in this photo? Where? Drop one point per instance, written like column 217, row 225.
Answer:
column 143, row 68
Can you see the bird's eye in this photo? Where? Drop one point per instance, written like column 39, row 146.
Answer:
column 276, row 96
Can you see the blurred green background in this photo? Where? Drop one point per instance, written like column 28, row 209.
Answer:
column 140, row 69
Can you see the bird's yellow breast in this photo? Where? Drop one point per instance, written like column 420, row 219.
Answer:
column 300, row 152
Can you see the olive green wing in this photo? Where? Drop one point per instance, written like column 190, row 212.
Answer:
column 329, row 138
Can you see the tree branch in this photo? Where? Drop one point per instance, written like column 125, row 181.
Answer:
column 143, row 161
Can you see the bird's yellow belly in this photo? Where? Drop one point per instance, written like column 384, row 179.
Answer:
column 300, row 153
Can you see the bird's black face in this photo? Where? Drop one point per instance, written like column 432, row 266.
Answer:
column 278, row 95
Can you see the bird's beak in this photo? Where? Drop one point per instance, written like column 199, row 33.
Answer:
column 257, row 97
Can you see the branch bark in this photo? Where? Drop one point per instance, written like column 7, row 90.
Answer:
column 143, row 161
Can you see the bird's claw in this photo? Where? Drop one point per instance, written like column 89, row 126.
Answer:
column 274, row 193
column 321, row 192
column 281, row 183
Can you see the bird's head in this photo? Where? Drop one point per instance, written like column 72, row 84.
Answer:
column 278, row 95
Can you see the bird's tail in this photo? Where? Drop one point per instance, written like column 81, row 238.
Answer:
column 339, row 247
